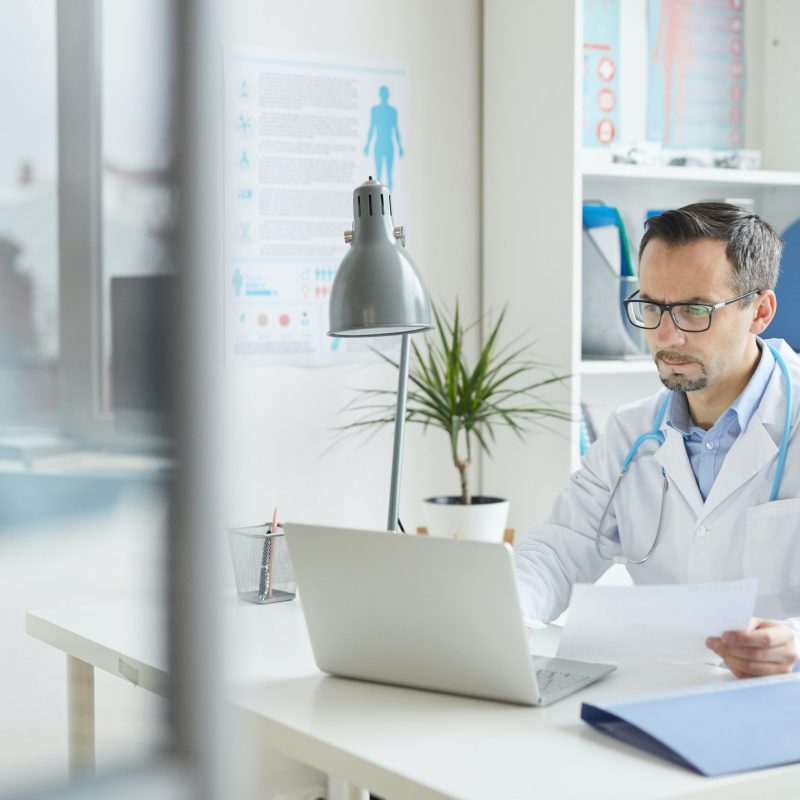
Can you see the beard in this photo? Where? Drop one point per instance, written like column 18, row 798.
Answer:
column 684, row 383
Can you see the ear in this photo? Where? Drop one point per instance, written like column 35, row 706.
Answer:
column 763, row 311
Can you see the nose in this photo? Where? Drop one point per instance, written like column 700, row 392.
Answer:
column 667, row 334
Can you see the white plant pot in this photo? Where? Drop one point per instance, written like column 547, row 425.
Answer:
column 484, row 520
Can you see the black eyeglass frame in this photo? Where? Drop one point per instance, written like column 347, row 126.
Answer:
column 712, row 307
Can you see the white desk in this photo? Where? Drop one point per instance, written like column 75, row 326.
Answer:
column 399, row 743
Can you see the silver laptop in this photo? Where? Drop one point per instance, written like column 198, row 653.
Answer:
column 435, row 614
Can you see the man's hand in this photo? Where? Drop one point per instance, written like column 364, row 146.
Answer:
column 766, row 648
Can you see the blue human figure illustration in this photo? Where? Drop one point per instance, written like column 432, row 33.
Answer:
column 383, row 120
column 237, row 281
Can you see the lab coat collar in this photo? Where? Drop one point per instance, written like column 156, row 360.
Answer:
column 755, row 447
column 772, row 407
column 672, row 457
column 750, row 453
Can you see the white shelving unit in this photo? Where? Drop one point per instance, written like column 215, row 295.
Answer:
column 690, row 175
column 535, row 180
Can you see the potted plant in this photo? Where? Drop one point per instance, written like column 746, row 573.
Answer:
column 467, row 402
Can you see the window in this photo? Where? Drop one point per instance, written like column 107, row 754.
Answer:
column 29, row 338
column 79, row 524
column 137, row 194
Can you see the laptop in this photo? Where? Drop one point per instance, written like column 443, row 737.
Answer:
column 422, row 612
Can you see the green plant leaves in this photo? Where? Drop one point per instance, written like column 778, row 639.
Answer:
column 465, row 401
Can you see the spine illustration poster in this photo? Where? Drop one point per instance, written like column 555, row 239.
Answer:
column 696, row 75
column 301, row 132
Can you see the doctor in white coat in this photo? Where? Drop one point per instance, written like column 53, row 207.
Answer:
column 694, row 506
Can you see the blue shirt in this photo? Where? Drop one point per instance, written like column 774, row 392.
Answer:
column 707, row 449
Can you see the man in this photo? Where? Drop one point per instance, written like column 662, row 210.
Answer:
column 696, row 507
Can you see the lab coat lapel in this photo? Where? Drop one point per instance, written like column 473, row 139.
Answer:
column 750, row 453
column 672, row 456
column 754, row 448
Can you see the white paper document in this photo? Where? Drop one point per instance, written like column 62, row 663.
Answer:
column 628, row 624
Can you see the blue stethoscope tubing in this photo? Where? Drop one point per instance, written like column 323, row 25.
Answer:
column 655, row 434
column 787, row 424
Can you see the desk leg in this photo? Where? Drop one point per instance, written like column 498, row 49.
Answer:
column 80, row 716
column 340, row 789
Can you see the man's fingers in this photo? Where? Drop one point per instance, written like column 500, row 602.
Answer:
column 758, row 637
column 767, row 647
column 773, row 655
column 742, row 668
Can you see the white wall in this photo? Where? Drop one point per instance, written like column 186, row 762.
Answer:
column 280, row 419
column 531, row 222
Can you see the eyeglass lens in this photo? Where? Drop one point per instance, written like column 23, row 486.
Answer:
column 686, row 316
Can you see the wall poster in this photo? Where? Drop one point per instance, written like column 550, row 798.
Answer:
column 601, row 72
column 696, row 74
column 301, row 132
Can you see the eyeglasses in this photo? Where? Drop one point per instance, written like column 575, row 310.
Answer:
column 688, row 317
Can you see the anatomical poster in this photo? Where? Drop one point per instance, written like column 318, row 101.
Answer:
column 301, row 132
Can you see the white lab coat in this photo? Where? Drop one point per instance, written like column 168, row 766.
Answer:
column 736, row 533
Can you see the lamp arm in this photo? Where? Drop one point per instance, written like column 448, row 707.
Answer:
column 399, row 425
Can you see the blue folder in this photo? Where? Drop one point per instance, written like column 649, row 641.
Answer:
column 716, row 729
column 598, row 216
column 608, row 278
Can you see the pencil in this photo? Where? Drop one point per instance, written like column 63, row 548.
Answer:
column 272, row 542
column 262, row 575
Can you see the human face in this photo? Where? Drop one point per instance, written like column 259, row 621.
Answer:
column 697, row 272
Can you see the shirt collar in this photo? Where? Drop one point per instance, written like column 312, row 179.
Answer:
column 743, row 407
column 678, row 416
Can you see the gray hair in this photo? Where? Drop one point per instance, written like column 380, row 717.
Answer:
column 754, row 249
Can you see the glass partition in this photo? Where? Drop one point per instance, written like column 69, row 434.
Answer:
column 83, row 523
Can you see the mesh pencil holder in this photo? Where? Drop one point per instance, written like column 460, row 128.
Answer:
column 261, row 564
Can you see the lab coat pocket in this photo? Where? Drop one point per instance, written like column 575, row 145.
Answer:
column 772, row 545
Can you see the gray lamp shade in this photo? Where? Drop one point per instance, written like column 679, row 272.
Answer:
column 377, row 290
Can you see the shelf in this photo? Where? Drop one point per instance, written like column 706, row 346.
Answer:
column 738, row 177
column 639, row 366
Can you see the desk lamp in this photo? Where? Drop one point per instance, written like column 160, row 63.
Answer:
column 377, row 291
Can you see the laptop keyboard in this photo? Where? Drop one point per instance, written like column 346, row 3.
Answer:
column 551, row 681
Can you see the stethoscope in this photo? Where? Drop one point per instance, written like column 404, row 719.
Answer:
column 655, row 435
